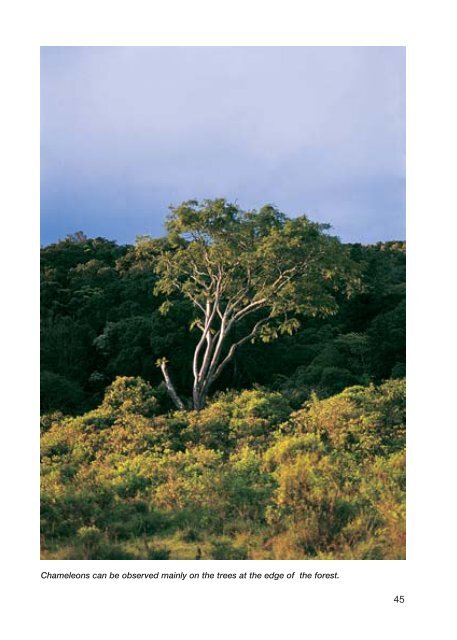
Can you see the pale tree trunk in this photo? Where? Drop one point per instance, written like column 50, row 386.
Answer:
column 213, row 361
column 216, row 323
column 209, row 361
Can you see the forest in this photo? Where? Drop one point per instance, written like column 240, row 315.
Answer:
column 232, row 390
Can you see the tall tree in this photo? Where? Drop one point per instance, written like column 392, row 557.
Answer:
column 248, row 275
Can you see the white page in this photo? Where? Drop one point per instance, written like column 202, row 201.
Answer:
column 361, row 602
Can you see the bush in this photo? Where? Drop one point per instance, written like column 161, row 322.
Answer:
column 256, row 415
column 363, row 420
column 130, row 395
column 339, row 468
column 233, row 421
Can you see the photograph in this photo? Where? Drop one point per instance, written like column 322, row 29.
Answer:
column 223, row 303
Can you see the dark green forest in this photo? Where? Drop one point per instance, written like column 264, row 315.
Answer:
column 295, row 449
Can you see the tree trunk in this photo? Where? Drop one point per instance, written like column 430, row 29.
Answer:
column 199, row 397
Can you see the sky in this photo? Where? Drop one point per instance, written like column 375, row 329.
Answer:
column 128, row 131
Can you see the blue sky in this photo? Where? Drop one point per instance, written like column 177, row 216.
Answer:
column 128, row 131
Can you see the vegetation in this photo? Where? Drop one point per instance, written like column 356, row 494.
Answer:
column 246, row 477
column 235, row 267
column 298, row 452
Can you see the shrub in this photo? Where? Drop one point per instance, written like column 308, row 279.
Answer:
column 130, row 395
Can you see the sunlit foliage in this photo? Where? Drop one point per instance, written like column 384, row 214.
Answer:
column 247, row 477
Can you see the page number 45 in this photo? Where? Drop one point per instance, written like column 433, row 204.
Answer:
column 399, row 599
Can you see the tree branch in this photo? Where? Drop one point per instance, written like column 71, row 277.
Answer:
column 170, row 387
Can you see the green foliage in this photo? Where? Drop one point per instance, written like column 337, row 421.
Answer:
column 256, row 415
column 360, row 419
column 248, row 275
column 252, row 249
column 325, row 481
column 340, row 476
column 101, row 320
column 302, row 458
column 232, row 421
column 130, row 395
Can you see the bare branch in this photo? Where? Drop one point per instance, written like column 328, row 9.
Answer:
column 250, row 308
column 170, row 387
column 210, row 313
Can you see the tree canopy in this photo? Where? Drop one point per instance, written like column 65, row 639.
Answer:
column 248, row 274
